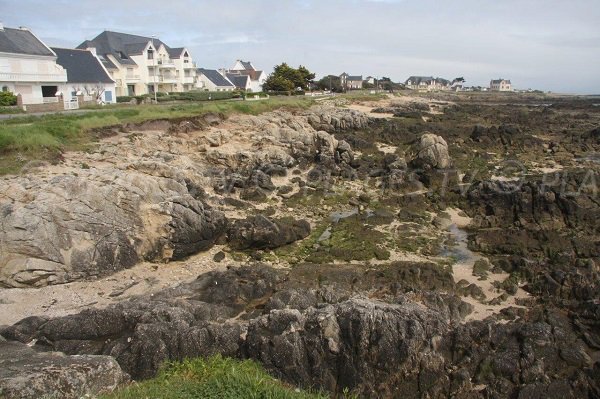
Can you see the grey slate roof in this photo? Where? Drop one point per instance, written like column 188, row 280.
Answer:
column 354, row 78
column 82, row 66
column 22, row 41
column 247, row 65
column 498, row 81
column 215, row 77
column 121, row 45
column 416, row 80
column 240, row 81
column 175, row 52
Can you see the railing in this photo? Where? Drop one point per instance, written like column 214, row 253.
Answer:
column 166, row 64
column 49, row 100
column 168, row 79
column 132, row 77
column 189, row 65
column 188, row 79
column 33, row 77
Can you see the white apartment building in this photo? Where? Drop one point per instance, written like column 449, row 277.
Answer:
column 28, row 67
column 139, row 64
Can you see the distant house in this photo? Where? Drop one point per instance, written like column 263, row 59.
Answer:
column 28, row 67
column 86, row 76
column 500, row 85
column 242, row 82
column 427, row 83
column 212, row 80
column 350, row 82
column 245, row 68
column 370, row 80
column 141, row 64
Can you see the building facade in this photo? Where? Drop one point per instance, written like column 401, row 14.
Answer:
column 28, row 67
column 212, row 80
column 141, row 65
column 500, row 85
column 349, row 82
column 256, row 78
column 427, row 83
column 86, row 76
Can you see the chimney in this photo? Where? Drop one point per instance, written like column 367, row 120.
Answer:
column 23, row 28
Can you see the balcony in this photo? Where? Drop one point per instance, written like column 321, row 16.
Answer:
column 33, row 77
column 189, row 65
column 166, row 64
column 168, row 79
column 189, row 79
column 132, row 78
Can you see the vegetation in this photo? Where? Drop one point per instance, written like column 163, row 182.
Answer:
column 285, row 78
column 7, row 99
column 215, row 377
column 32, row 138
column 330, row 82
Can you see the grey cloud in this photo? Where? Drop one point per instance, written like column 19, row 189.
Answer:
column 550, row 44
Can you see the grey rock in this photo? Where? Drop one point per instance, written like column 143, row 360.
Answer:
column 260, row 232
column 26, row 373
column 431, row 151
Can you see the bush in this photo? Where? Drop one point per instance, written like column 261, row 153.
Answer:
column 7, row 98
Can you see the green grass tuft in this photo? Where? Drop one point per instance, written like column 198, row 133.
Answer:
column 215, row 377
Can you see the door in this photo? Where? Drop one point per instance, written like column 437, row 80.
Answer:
column 108, row 96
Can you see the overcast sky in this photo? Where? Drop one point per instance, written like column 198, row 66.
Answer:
column 549, row 45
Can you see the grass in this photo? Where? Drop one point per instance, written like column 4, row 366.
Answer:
column 215, row 377
column 33, row 138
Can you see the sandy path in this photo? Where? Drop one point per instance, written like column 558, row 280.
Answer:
column 463, row 270
column 144, row 278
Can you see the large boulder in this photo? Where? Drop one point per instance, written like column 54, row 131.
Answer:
column 26, row 373
column 64, row 228
column 260, row 232
column 431, row 152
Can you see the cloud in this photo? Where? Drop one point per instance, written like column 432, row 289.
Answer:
column 545, row 44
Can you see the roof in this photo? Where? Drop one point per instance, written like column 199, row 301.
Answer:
column 82, row 66
column 175, row 52
column 240, row 81
column 355, row 78
column 246, row 64
column 498, row 81
column 215, row 77
column 22, row 41
column 416, row 80
column 122, row 45
column 254, row 74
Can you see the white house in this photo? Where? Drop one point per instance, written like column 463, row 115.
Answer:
column 427, row 83
column 28, row 67
column 212, row 80
column 242, row 82
column 141, row 64
column 500, row 85
column 350, row 82
column 245, row 68
column 85, row 76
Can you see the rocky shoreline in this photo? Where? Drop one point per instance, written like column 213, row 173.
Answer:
column 420, row 255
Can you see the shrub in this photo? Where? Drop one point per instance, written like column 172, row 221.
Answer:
column 7, row 98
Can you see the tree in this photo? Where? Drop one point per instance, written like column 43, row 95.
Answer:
column 286, row 78
column 330, row 82
column 459, row 80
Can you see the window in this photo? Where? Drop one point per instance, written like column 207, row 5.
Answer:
column 150, row 54
column 5, row 88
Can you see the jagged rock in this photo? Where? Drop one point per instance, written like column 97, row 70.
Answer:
column 259, row 232
column 71, row 227
column 431, row 152
column 26, row 373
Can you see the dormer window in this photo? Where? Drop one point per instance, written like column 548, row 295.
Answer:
column 150, row 54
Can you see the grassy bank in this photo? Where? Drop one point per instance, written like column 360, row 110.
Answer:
column 34, row 138
column 216, row 377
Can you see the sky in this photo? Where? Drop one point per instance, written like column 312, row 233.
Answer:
column 551, row 45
